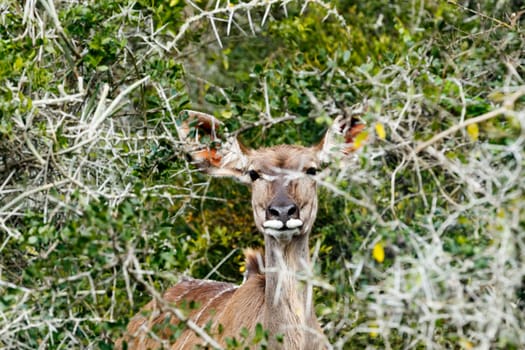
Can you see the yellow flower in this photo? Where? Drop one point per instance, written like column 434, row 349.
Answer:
column 473, row 131
column 378, row 252
column 360, row 139
column 380, row 131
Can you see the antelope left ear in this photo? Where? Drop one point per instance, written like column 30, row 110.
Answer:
column 340, row 138
column 209, row 151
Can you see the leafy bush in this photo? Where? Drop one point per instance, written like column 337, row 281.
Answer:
column 419, row 239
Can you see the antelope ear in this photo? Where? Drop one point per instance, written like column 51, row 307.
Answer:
column 209, row 151
column 340, row 138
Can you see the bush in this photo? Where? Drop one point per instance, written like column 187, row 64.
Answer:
column 418, row 241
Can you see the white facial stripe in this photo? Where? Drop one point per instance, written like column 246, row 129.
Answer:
column 273, row 224
column 293, row 176
column 294, row 223
column 286, row 174
column 269, row 178
column 290, row 175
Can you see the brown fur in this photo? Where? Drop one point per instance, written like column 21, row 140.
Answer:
column 254, row 262
column 215, row 301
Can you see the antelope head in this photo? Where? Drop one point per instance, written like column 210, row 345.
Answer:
column 283, row 178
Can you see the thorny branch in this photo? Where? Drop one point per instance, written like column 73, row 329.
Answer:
column 78, row 145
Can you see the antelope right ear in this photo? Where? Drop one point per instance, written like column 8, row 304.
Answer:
column 339, row 139
column 209, row 151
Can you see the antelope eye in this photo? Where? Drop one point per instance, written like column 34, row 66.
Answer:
column 311, row 171
column 253, row 175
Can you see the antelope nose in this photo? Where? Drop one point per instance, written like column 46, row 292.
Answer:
column 282, row 213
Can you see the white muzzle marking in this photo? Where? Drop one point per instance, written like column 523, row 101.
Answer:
column 275, row 229
column 294, row 223
column 284, row 236
column 273, row 224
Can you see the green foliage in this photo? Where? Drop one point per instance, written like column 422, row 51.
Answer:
column 99, row 205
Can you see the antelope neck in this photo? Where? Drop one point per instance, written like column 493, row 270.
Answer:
column 285, row 297
column 292, row 255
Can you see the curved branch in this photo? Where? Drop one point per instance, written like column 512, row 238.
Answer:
column 457, row 127
column 507, row 107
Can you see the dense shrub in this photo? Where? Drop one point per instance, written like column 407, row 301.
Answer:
column 419, row 239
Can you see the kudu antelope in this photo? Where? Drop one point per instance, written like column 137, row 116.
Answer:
column 284, row 202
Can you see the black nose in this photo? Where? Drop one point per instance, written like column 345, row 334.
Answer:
column 282, row 212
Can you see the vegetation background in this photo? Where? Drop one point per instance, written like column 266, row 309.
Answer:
column 418, row 243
